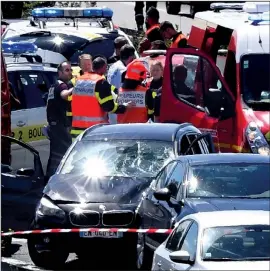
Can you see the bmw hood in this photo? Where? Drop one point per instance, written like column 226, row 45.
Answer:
column 209, row 205
column 121, row 190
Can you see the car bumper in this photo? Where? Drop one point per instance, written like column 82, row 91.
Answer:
column 76, row 241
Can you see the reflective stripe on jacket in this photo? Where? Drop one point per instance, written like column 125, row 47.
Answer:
column 152, row 28
column 176, row 41
column 138, row 113
column 86, row 110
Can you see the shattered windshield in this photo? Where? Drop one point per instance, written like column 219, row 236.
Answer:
column 255, row 81
column 141, row 158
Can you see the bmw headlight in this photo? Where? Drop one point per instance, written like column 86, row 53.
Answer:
column 47, row 208
column 256, row 140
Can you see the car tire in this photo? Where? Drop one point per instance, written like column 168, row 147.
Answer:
column 143, row 254
column 55, row 258
column 173, row 8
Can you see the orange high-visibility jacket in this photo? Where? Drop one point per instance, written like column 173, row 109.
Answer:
column 86, row 110
column 138, row 113
column 175, row 43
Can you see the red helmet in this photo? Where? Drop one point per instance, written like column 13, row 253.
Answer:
column 136, row 71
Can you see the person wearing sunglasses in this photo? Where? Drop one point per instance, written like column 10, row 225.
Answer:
column 58, row 122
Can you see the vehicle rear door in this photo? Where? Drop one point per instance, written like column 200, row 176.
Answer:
column 194, row 97
column 164, row 213
column 31, row 85
column 21, row 190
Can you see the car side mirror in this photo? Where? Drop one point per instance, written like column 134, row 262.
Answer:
column 28, row 172
column 163, row 194
column 180, row 256
column 213, row 102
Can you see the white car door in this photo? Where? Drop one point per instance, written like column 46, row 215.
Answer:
column 162, row 260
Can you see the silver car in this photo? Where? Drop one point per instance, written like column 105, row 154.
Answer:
column 221, row 240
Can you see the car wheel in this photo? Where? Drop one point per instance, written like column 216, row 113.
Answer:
column 173, row 7
column 46, row 259
column 143, row 254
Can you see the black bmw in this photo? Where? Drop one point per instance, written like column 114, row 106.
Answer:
column 99, row 183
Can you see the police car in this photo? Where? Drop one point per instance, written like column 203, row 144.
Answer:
column 30, row 77
column 69, row 31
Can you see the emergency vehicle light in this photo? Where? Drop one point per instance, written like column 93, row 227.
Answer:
column 259, row 18
column 256, row 7
column 18, row 48
column 94, row 12
column 222, row 6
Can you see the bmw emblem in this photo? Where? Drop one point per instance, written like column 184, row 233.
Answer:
column 102, row 207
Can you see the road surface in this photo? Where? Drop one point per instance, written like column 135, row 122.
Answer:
column 123, row 17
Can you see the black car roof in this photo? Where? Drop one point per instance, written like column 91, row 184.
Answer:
column 216, row 158
column 153, row 131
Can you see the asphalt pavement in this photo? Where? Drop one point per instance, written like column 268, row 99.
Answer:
column 19, row 259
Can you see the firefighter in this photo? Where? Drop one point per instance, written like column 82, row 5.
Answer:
column 119, row 42
column 168, row 32
column 57, row 105
column 152, row 34
column 153, row 94
column 114, row 77
column 133, row 88
column 139, row 18
column 92, row 99
column 85, row 65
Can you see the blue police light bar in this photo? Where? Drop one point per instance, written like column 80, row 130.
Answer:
column 221, row 6
column 256, row 19
column 19, row 48
column 94, row 12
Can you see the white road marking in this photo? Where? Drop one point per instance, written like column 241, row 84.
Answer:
column 20, row 264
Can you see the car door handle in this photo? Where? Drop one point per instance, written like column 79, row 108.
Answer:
column 159, row 264
column 21, row 123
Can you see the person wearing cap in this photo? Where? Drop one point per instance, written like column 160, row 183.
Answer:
column 92, row 99
column 168, row 32
column 134, row 90
column 139, row 18
column 114, row 76
column 119, row 42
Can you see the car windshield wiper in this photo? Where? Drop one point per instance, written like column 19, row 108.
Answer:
column 237, row 259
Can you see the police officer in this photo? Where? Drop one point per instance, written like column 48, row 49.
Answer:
column 133, row 87
column 168, row 32
column 92, row 99
column 57, row 104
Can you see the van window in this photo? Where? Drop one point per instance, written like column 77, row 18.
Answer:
column 184, row 71
column 202, row 78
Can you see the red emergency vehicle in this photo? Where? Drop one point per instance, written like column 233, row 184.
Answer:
column 227, row 78
column 5, row 113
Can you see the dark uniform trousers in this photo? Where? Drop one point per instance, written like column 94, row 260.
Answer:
column 60, row 141
column 139, row 5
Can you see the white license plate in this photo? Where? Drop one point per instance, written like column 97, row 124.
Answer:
column 100, row 234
